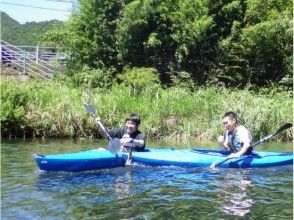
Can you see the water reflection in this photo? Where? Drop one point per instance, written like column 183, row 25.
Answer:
column 100, row 186
column 123, row 184
column 233, row 196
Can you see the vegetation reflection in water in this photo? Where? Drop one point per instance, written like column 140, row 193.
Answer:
column 138, row 192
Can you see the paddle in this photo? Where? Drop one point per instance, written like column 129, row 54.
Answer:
column 281, row 129
column 114, row 143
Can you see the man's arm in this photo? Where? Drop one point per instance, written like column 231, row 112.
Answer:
column 116, row 132
column 241, row 152
column 245, row 137
column 138, row 142
column 223, row 141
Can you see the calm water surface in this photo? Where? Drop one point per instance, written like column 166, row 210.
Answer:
column 138, row 192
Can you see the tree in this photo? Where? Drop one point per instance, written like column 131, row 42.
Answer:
column 168, row 35
column 228, row 42
column 89, row 36
column 258, row 48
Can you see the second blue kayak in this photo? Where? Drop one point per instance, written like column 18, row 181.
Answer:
column 204, row 158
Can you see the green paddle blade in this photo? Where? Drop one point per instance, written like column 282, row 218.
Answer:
column 114, row 145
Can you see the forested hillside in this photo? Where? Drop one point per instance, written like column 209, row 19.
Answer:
column 24, row 34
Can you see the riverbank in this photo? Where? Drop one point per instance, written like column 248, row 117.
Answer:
column 55, row 109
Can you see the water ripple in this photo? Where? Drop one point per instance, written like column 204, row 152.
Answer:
column 140, row 192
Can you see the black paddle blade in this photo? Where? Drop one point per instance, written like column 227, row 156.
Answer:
column 90, row 109
column 283, row 127
column 114, row 145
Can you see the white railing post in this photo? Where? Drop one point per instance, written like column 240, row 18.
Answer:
column 37, row 53
column 24, row 63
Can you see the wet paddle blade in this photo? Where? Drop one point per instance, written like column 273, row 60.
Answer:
column 114, row 145
column 90, row 109
column 130, row 158
column 284, row 127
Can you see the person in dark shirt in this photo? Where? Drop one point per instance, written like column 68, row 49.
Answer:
column 129, row 135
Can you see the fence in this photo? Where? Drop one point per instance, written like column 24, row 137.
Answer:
column 31, row 60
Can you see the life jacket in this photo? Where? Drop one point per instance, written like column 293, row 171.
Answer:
column 234, row 142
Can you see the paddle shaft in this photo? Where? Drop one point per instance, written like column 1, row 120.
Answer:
column 281, row 129
column 91, row 110
column 114, row 143
column 103, row 128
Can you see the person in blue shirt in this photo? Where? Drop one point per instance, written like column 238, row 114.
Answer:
column 237, row 138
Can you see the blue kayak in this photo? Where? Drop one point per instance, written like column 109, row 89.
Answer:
column 80, row 161
column 103, row 159
column 204, row 158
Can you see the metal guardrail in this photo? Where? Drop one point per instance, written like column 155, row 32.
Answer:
column 42, row 53
column 30, row 60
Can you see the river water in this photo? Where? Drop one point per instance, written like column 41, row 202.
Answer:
column 138, row 192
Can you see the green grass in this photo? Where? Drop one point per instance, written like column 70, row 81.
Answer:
column 54, row 109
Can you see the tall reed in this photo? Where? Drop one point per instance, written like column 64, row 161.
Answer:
column 55, row 109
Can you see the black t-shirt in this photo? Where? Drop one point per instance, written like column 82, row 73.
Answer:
column 122, row 133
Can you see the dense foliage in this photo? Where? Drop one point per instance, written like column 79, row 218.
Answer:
column 29, row 34
column 228, row 42
column 55, row 109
